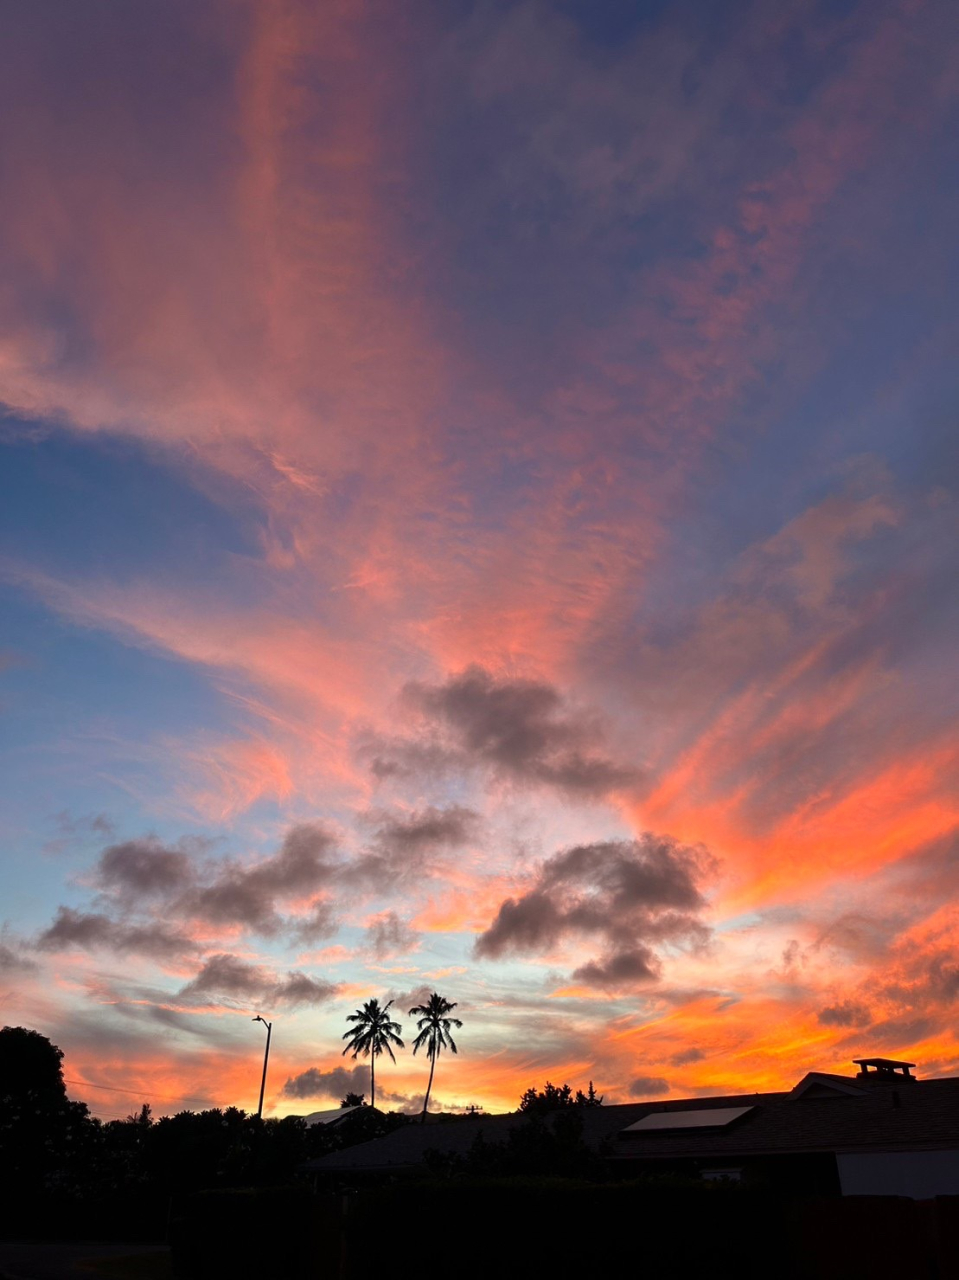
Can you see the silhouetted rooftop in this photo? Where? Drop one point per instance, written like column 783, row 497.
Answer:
column 336, row 1115
column 824, row 1112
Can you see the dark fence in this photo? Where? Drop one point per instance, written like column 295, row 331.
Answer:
column 527, row 1229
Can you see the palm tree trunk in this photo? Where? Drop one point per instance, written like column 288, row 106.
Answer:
column 426, row 1100
column 373, row 1080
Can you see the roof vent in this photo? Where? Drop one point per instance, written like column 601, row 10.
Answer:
column 883, row 1071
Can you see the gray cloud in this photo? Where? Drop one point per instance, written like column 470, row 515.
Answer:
column 388, row 935
column 929, row 874
column 144, row 868
column 911, row 999
column 335, row 1083
column 629, row 894
column 228, row 976
column 522, row 729
column 404, row 846
column 338, row 1081
column 621, row 969
column 248, row 895
column 94, row 931
column 71, row 829
column 320, row 922
column 12, row 960
column 427, row 830
column 409, row 999
column 529, row 923
column 846, row 1013
column 174, row 1019
column 939, row 977
column 646, row 1086
column 685, row 1057
column 298, row 989
column 906, row 1028
column 861, row 936
column 142, row 883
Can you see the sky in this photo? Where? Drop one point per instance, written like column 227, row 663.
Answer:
column 479, row 496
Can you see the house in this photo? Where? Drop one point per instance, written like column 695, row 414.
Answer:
column 878, row 1132
column 336, row 1116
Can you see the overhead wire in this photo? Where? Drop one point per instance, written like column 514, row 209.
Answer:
column 136, row 1093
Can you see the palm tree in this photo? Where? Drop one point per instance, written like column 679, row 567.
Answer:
column 434, row 1034
column 374, row 1032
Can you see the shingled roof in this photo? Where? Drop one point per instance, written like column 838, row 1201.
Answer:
column 405, row 1148
column 922, row 1117
column 836, row 1115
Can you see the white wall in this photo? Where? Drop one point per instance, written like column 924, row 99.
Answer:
column 919, row 1174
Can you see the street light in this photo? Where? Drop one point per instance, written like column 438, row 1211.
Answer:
column 266, row 1059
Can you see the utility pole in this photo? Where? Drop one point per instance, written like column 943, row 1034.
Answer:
column 266, row 1059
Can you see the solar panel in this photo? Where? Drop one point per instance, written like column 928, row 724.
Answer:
column 704, row 1118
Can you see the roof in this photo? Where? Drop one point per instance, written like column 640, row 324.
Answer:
column 334, row 1116
column 842, row 1118
column 405, row 1148
column 924, row 1116
column 825, row 1084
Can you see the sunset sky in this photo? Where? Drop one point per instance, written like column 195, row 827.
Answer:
column 479, row 512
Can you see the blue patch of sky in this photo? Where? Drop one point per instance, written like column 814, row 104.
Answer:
column 98, row 504
column 528, row 260
column 64, row 676
column 885, row 391
column 749, row 920
column 609, row 23
column 82, row 717
column 615, row 23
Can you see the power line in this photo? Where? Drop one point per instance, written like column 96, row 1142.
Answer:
column 136, row 1093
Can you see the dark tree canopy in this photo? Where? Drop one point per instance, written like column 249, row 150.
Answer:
column 556, row 1097
column 30, row 1065
column 353, row 1100
column 66, row 1172
column 43, row 1134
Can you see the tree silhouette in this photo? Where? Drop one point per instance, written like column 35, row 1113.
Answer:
column 352, row 1100
column 374, row 1032
column 30, row 1066
column 43, row 1135
column 551, row 1098
column 556, row 1098
column 434, row 1033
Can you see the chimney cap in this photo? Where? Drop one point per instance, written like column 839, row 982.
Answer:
column 884, row 1069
